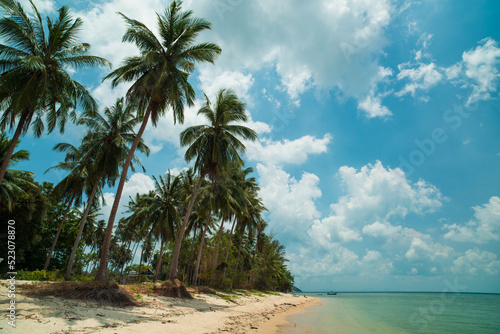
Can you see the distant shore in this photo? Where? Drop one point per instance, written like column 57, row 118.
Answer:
column 236, row 312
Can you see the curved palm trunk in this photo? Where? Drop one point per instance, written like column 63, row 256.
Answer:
column 158, row 265
column 58, row 233
column 102, row 272
column 80, row 230
column 177, row 248
column 12, row 146
column 229, row 245
column 217, row 251
column 197, row 268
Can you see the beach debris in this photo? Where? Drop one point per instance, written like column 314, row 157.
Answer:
column 103, row 293
column 172, row 288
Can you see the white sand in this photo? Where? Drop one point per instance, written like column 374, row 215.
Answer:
column 206, row 313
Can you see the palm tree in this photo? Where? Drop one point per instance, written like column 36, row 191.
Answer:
column 204, row 209
column 249, row 206
column 105, row 147
column 160, row 76
column 163, row 211
column 15, row 181
column 214, row 147
column 71, row 190
column 34, row 78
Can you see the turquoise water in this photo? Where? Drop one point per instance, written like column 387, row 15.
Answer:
column 399, row 313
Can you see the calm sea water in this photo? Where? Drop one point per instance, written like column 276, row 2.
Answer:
column 399, row 313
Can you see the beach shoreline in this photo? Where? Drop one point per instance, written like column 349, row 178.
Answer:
column 235, row 312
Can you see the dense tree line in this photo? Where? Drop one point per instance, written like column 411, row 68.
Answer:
column 203, row 226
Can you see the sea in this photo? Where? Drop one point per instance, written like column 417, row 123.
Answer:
column 398, row 312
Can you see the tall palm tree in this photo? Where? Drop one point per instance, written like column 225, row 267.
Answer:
column 34, row 78
column 105, row 147
column 160, row 75
column 15, row 181
column 214, row 147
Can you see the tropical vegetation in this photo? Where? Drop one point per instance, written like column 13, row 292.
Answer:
column 203, row 226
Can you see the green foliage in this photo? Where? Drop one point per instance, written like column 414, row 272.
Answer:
column 34, row 81
column 39, row 275
column 269, row 271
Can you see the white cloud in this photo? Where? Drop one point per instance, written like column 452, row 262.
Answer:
column 422, row 78
column 321, row 44
column 213, row 79
column 454, row 71
column 372, row 103
column 378, row 229
column 290, row 201
column 423, row 249
column 481, row 65
column 104, row 28
column 286, row 151
column 43, row 6
column 374, row 195
column 373, row 107
column 475, row 262
column 338, row 260
column 483, row 228
column 106, row 96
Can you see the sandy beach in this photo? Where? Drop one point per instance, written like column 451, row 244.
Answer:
column 237, row 312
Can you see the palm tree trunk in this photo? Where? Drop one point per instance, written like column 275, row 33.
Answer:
column 140, row 263
column 217, row 251
column 197, row 268
column 12, row 146
column 188, row 274
column 125, row 262
column 239, row 253
column 177, row 248
column 58, row 233
column 80, row 230
column 229, row 245
column 102, row 272
column 158, row 265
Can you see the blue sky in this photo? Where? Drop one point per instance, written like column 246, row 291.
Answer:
column 378, row 121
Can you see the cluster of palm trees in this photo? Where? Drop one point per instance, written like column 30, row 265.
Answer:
column 37, row 91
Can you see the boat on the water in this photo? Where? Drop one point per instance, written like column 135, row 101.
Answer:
column 331, row 293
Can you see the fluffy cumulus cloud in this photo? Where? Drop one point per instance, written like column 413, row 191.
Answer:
column 104, row 28
column 374, row 195
column 372, row 106
column 320, row 44
column 475, row 262
column 214, row 79
column 289, row 201
column 296, row 151
column 482, row 67
column 483, row 228
column 339, row 260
